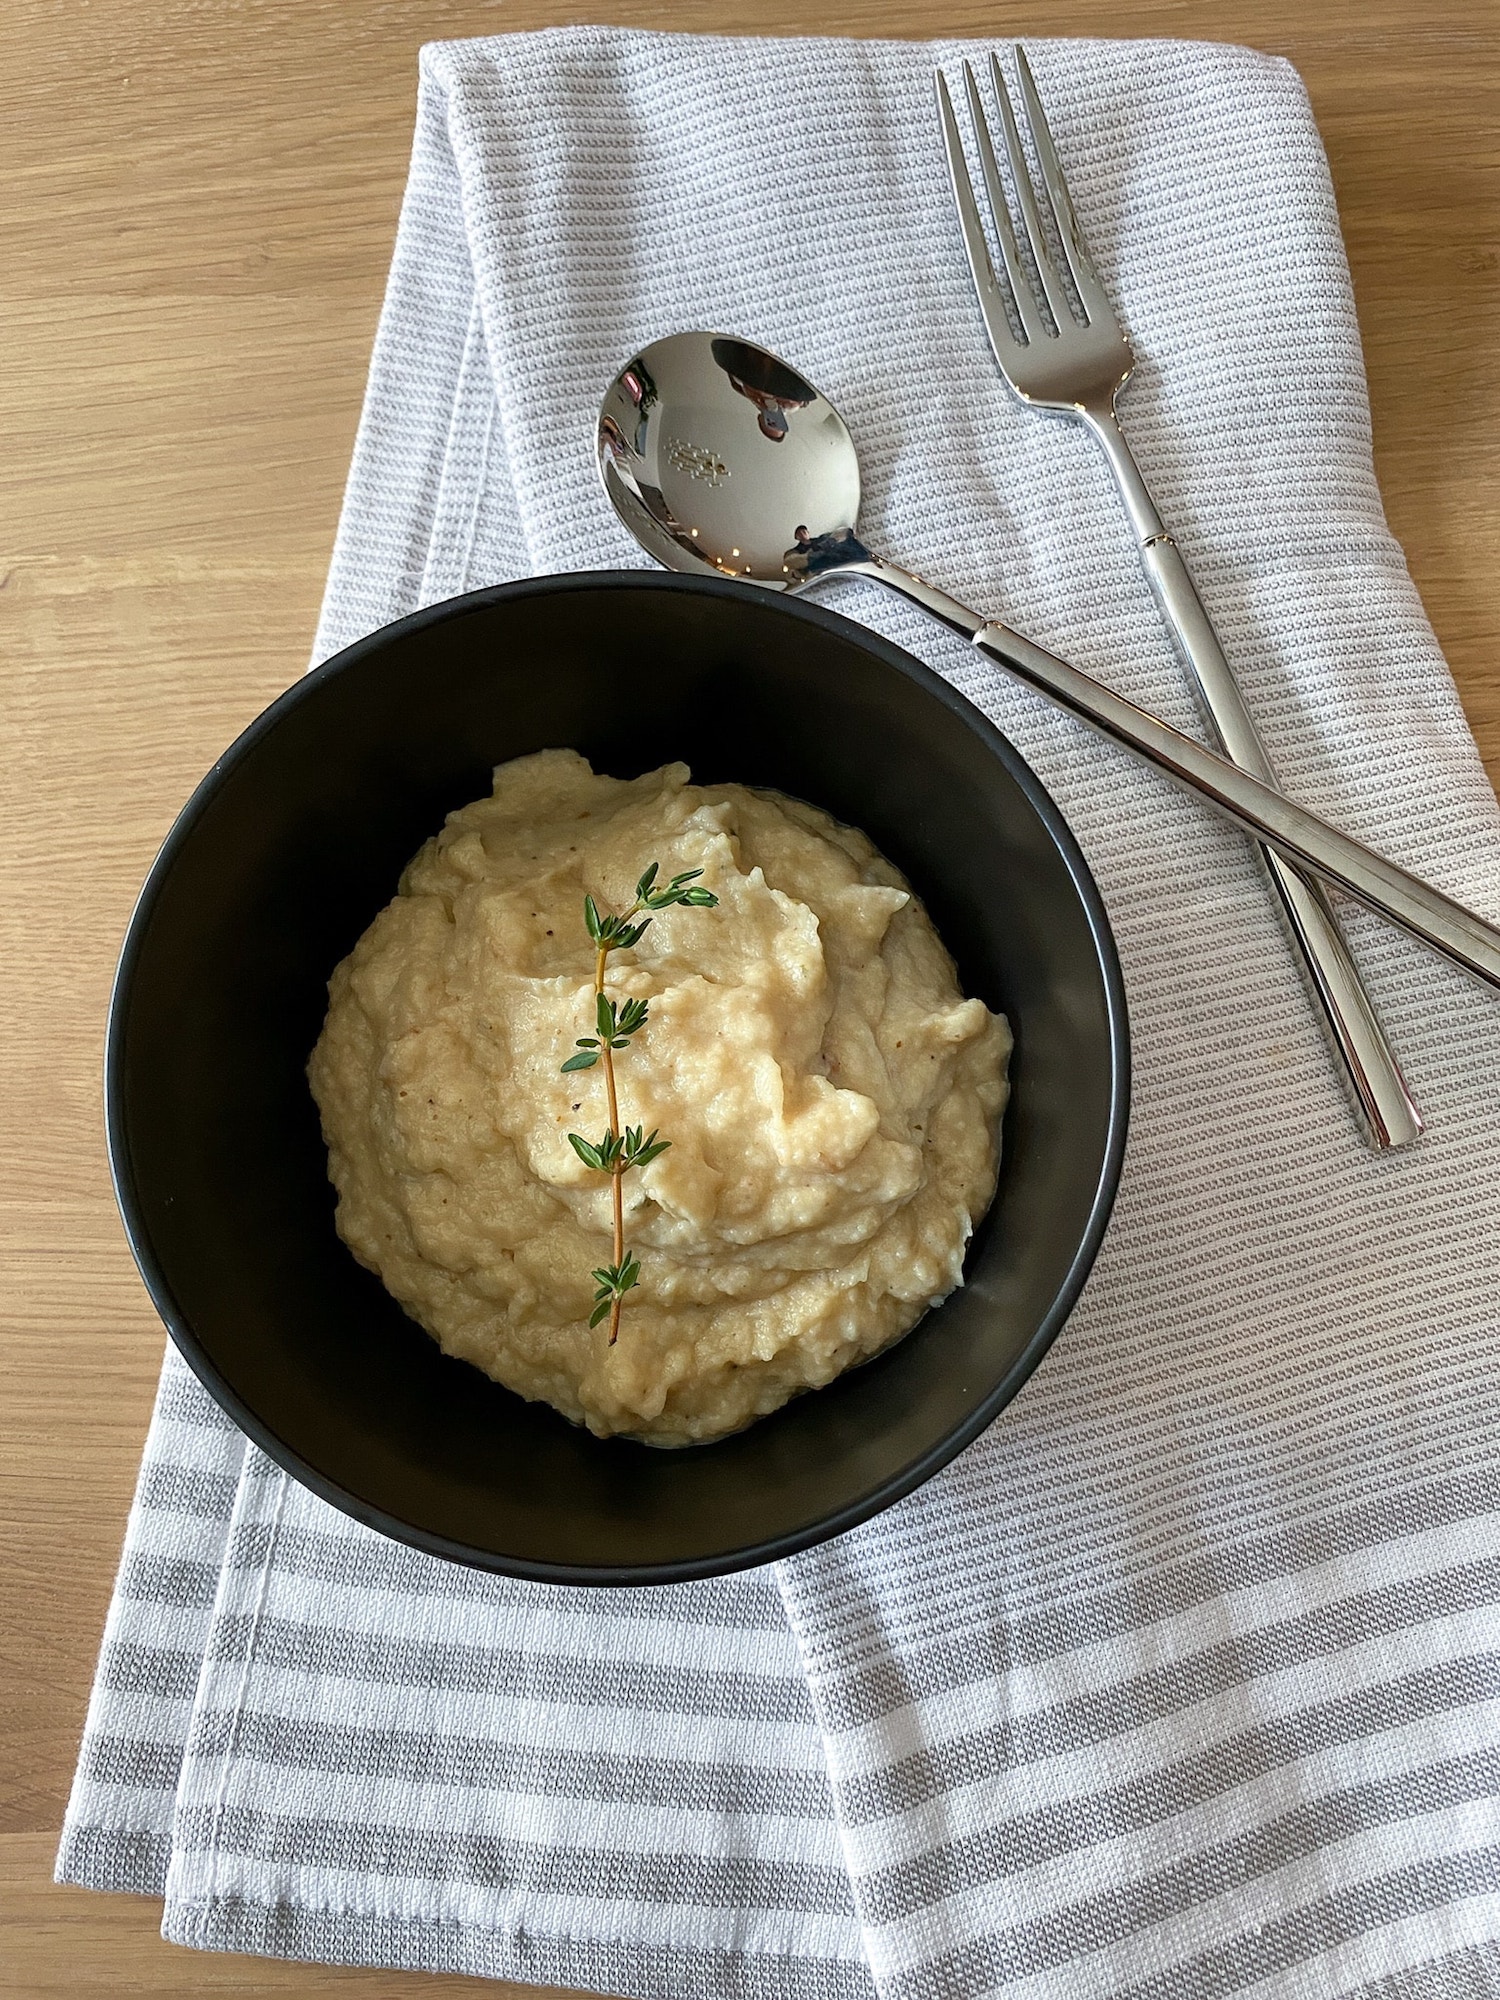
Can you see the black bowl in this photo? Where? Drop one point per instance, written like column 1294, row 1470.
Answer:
column 294, row 841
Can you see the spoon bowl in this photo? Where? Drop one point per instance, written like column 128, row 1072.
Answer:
column 723, row 461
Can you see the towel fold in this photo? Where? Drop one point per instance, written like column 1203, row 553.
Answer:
column 1185, row 1678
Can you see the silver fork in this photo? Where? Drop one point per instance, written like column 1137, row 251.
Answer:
column 1076, row 368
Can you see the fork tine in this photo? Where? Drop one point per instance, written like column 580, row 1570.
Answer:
column 976, row 246
column 1028, row 311
column 1031, row 221
column 1090, row 291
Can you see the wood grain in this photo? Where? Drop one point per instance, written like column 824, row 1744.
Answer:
column 197, row 212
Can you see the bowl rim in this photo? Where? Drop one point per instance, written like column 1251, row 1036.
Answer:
column 774, row 1548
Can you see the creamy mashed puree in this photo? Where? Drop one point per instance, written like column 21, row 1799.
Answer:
column 831, row 1098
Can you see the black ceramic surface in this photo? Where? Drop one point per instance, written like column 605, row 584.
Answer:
column 296, row 839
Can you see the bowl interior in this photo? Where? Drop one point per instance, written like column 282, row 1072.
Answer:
column 295, row 841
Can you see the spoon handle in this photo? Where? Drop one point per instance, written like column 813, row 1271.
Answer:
column 1293, row 831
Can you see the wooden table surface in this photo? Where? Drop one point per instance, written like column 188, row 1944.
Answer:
column 197, row 205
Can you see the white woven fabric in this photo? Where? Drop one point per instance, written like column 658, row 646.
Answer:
column 1185, row 1679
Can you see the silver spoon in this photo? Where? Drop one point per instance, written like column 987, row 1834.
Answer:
column 723, row 461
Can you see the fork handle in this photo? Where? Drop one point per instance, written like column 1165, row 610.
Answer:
column 1389, row 1114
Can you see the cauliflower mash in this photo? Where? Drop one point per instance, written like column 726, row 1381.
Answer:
column 832, row 1100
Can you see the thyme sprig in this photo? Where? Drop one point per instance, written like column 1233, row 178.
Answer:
column 616, row 1024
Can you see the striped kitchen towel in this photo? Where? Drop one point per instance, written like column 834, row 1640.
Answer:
column 1184, row 1680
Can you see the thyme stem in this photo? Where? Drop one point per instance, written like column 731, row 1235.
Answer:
column 617, row 1173
column 618, row 1151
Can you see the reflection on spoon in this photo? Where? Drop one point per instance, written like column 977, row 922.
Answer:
column 761, row 379
column 734, row 465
